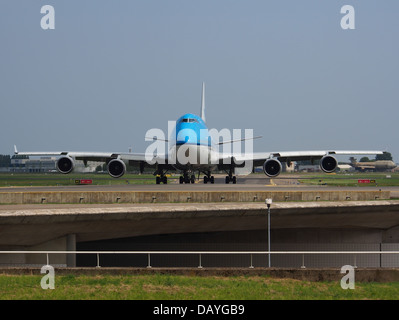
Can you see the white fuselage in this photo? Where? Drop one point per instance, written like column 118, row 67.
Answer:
column 193, row 157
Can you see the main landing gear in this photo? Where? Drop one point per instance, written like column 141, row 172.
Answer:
column 231, row 178
column 160, row 176
column 185, row 178
column 163, row 179
column 209, row 178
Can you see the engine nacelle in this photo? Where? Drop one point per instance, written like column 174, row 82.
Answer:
column 272, row 167
column 328, row 164
column 116, row 168
column 65, row 165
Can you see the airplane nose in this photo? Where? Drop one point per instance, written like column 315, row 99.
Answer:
column 181, row 140
column 186, row 136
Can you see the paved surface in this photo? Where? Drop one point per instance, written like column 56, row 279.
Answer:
column 249, row 183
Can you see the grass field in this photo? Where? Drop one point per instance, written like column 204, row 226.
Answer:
column 57, row 179
column 351, row 180
column 173, row 287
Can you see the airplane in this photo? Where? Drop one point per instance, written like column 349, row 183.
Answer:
column 378, row 165
column 191, row 149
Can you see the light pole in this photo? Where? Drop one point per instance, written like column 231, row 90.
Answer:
column 268, row 203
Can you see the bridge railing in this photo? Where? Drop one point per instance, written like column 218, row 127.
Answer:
column 200, row 254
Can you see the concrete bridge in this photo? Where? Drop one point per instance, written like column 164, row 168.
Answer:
column 318, row 225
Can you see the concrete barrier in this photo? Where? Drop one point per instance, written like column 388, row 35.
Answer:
column 73, row 197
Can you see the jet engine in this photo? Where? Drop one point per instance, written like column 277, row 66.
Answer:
column 116, row 168
column 328, row 164
column 272, row 167
column 65, row 165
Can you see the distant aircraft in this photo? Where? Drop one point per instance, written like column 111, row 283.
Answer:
column 192, row 139
column 379, row 165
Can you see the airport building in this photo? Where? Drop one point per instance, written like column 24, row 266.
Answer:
column 44, row 165
column 26, row 165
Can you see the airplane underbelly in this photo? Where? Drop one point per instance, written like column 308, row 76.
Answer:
column 192, row 157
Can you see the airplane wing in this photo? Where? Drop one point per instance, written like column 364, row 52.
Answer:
column 119, row 160
column 286, row 156
column 271, row 161
column 88, row 156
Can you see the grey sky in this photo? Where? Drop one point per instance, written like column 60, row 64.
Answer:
column 111, row 70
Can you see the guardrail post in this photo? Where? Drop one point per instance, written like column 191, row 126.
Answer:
column 98, row 260
column 200, row 265
column 303, row 262
column 251, row 266
column 48, row 260
column 149, row 261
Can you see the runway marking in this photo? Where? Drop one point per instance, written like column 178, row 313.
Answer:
column 272, row 184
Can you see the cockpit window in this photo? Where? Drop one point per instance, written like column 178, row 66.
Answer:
column 189, row 120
